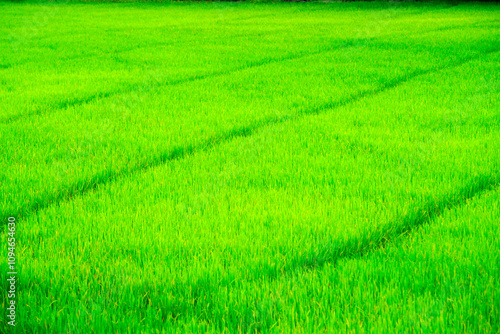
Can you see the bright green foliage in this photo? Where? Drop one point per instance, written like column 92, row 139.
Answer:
column 254, row 168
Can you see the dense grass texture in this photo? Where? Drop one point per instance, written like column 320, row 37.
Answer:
column 271, row 168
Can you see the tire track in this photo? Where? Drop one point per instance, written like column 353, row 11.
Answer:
column 183, row 299
column 188, row 24
column 254, row 64
column 127, row 49
column 104, row 53
column 179, row 152
column 356, row 247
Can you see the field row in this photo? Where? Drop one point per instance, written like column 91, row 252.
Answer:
column 68, row 150
column 180, row 240
column 246, row 168
column 164, row 58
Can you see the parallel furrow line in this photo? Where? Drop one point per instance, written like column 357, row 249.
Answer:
column 255, row 64
column 180, row 152
column 356, row 247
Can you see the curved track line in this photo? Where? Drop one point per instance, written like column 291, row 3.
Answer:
column 89, row 55
column 254, row 64
column 356, row 247
column 83, row 186
column 231, row 20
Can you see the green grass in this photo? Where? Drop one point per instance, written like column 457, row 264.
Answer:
column 252, row 168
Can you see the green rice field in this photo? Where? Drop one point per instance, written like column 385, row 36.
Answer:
column 215, row 167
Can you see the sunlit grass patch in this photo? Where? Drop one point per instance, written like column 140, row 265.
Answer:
column 222, row 167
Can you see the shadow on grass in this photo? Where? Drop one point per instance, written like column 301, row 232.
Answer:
column 184, row 302
column 180, row 152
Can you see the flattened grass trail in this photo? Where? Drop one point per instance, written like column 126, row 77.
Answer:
column 232, row 167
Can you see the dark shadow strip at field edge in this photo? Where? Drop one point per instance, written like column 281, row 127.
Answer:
column 83, row 186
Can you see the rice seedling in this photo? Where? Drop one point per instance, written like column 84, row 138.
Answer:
column 252, row 168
